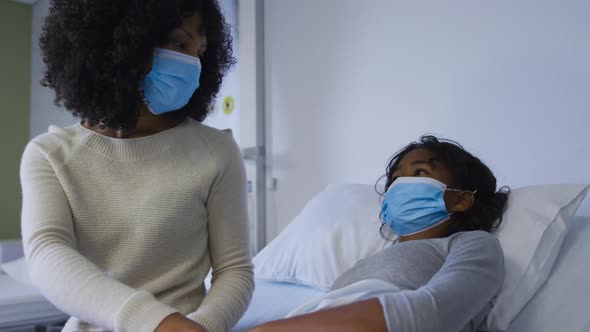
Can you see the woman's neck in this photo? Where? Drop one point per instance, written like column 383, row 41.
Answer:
column 147, row 124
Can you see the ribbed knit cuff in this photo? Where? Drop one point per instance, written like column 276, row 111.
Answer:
column 208, row 324
column 141, row 313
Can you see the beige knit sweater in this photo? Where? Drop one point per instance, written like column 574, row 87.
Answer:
column 120, row 233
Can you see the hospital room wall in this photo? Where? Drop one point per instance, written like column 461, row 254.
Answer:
column 351, row 82
column 15, row 66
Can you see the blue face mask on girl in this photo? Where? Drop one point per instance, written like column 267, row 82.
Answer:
column 415, row 204
column 171, row 83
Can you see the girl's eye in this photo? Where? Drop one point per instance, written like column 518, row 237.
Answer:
column 181, row 45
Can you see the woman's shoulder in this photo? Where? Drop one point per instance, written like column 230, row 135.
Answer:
column 57, row 142
column 210, row 134
column 220, row 142
column 55, row 135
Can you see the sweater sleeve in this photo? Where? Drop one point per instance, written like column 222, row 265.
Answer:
column 233, row 276
column 69, row 280
column 466, row 283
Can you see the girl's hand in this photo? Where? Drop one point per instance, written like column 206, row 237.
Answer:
column 178, row 323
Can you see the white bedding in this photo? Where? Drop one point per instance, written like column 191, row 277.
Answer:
column 560, row 305
column 22, row 305
column 563, row 303
column 273, row 300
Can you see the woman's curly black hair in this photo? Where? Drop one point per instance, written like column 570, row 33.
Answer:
column 95, row 53
column 469, row 173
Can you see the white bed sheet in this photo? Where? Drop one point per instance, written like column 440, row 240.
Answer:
column 22, row 305
column 272, row 301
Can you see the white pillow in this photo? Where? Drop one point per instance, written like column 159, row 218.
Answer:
column 339, row 227
column 531, row 235
column 336, row 229
column 562, row 303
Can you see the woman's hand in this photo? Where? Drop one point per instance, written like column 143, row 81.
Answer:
column 178, row 323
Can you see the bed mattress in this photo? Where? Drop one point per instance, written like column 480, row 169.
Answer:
column 273, row 300
column 23, row 306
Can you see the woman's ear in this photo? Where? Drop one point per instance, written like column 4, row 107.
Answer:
column 459, row 201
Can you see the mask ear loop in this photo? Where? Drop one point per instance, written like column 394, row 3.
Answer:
column 459, row 190
column 383, row 231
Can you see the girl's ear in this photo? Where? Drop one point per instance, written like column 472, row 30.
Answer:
column 459, row 201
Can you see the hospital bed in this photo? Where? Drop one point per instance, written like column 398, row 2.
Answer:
column 546, row 248
column 562, row 304
column 559, row 304
column 22, row 307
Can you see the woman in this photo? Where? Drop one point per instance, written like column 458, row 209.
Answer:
column 125, row 213
column 446, row 267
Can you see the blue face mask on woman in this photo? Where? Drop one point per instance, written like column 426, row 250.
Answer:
column 171, row 83
column 414, row 204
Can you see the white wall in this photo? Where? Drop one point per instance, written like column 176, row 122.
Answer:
column 247, row 48
column 248, row 105
column 351, row 82
column 231, row 82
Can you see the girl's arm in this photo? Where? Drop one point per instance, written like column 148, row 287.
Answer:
column 457, row 296
column 466, row 283
column 365, row 316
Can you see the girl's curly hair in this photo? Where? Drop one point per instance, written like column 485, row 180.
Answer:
column 95, row 52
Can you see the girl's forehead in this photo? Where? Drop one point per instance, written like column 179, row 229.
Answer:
column 418, row 155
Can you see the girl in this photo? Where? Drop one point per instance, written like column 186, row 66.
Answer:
column 446, row 268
